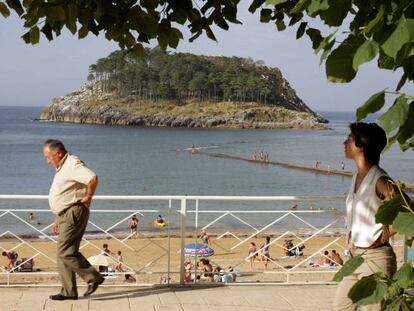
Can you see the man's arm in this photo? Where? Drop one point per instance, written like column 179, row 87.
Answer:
column 90, row 191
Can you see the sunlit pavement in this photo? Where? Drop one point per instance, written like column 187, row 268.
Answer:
column 237, row 298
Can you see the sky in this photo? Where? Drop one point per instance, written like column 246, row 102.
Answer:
column 33, row 75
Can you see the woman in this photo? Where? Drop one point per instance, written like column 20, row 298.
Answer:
column 251, row 254
column 133, row 224
column 265, row 252
column 370, row 186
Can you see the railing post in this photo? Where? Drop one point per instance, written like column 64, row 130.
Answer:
column 183, row 225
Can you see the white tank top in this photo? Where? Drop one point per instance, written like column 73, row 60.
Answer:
column 361, row 207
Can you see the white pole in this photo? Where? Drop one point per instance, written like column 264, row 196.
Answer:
column 183, row 221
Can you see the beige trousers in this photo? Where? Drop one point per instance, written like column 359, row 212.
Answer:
column 72, row 225
column 378, row 259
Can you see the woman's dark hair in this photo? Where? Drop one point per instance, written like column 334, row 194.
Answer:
column 371, row 138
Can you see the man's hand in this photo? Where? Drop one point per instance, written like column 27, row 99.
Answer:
column 86, row 201
column 90, row 190
column 55, row 226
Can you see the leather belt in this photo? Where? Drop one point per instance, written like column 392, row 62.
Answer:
column 375, row 245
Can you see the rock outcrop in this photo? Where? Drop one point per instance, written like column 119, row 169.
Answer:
column 90, row 105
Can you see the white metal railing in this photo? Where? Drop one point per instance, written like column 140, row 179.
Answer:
column 185, row 215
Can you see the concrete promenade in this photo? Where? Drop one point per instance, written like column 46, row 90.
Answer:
column 229, row 298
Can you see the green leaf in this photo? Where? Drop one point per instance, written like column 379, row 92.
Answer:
column 395, row 115
column 405, row 276
column 374, row 22
column 83, row 32
column 174, row 37
column 71, row 13
column 15, row 5
column 370, row 289
column 365, row 53
column 27, row 37
column 280, row 25
column 393, row 304
column 162, row 40
column 406, row 131
column 275, row 2
column 301, row 30
column 316, row 6
column 4, row 10
column 265, row 15
column 300, row 6
column 373, row 104
column 389, row 210
column 139, row 50
column 404, row 223
column 180, row 16
column 348, row 268
column 339, row 63
column 34, row 35
column 255, row 5
column 336, row 13
column 326, row 43
column 403, row 34
column 56, row 13
column 47, row 31
column 386, row 62
column 142, row 21
column 401, row 82
column 315, row 36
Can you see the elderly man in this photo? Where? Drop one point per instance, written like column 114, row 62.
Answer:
column 70, row 196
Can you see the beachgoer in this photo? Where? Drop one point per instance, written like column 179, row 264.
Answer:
column 31, row 216
column 342, row 166
column 254, row 156
column 251, row 254
column 326, row 259
column 288, row 246
column 265, row 253
column 188, row 266
column 207, row 269
column 262, row 156
column 232, row 272
column 336, row 259
column 12, row 257
column 226, row 277
column 293, row 207
column 218, row 273
column 204, row 236
column 106, row 250
column 369, row 187
column 193, row 149
column 70, row 197
column 129, row 278
column 159, row 220
column 299, row 250
column 133, row 225
column 118, row 266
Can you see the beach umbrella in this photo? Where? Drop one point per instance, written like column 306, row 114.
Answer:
column 101, row 260
column 202, row 250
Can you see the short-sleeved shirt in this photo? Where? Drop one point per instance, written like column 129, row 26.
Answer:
column 69, row 184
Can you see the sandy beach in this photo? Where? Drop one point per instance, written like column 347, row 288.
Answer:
column 150, row 257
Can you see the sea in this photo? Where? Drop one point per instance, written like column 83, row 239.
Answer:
column 133, row 160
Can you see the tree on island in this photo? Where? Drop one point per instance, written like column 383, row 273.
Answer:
column 363, row 31
column 160, row 75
